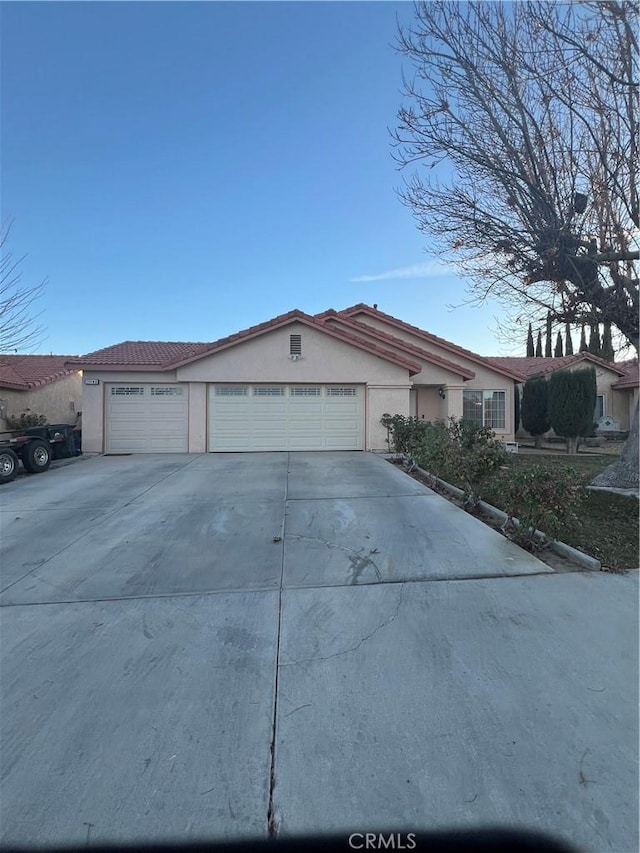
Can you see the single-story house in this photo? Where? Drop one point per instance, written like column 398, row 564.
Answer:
column 296, row 382
column 39, row 385
column 616, row 384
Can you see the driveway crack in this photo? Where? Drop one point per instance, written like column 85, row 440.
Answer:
column 362, row 640
column 273, row 818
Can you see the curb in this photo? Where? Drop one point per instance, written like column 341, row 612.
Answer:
column 558, row 547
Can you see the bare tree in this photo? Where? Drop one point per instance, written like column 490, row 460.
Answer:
column 534, row 108
column 19, row 328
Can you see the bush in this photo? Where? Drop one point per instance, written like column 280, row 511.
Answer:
column 542, row 500
column 25, row 420
column 572, row 400
column 534, row 408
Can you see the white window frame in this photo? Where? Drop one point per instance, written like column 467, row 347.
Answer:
column 486, row 396
column 231, row 391
column 341, row 391
column 268, row 391
column 305, row 391
column 596, row 416
column 127, row 391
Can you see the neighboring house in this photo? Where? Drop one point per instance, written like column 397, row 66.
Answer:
column 296, row 382
column 616, row 383
column 39, row 385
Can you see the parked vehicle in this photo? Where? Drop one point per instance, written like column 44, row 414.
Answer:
column 35, row 448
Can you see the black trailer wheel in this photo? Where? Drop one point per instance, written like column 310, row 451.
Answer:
column 8, row 465
column 36, row 456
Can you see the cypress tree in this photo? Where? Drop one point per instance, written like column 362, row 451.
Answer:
column 571, row 403
column 558, row 350
column 594, row 340
column 568, row 343
column 607, row 344
column 534, row 408
column 547, row 345
column 539, row 345
column 530, row 349
column 583, row 342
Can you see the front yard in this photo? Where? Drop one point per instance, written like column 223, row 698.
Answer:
column 610, row 528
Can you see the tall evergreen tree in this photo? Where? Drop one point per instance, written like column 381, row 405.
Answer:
column 607, row 344
column 571, row 404
column 594, row 339
column 568, row 343
column 583, row 342
column 530, row 348
column 558, row 350
column 534, row 408
column 547, row 345
column 539, row 345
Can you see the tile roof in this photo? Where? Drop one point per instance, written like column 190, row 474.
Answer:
column 24, row 372
column 165, row 355
column 361, row 307
column 141, row 353
column 398, row 342
column 542, row 366
column 631, row 379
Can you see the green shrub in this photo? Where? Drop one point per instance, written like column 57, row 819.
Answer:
column 25, row 420
column 534, row 408
column 544, row 500
column 572, row 400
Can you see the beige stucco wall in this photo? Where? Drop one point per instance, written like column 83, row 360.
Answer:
column 485, row 378
column 53, row 401
column 381, row 400
column 431, row 407
column 266, row 359
column 93, row 401
column 197, row 417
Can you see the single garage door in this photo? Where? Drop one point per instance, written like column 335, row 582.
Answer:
column 286, row 417
column 147, row 419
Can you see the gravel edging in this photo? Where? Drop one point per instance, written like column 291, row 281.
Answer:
column 555, row 545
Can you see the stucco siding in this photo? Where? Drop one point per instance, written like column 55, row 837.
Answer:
column 266, row 359
column 53, row 401
column 383, row 399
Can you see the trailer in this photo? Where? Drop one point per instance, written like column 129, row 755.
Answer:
column 35, row 448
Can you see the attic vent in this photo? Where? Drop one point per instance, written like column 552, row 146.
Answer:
column 295, row 345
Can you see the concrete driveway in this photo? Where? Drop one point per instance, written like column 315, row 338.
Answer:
column 202, row 647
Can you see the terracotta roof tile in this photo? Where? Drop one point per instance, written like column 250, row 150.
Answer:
column 398, row 342
column 542, row 366
column 434, row 339
column 167, row 355
column 24, row 372
column 631, row 379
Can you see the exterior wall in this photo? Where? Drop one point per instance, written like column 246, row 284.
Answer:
column 383, row 399
column 51, row 400
column 485, row 379
column 431, row 406
column 93, row 401
column 197, row 417
column 266, row 359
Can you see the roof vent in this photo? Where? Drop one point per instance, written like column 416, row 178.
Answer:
column 295, row 347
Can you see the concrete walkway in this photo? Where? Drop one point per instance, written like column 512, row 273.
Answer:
column 202, row 647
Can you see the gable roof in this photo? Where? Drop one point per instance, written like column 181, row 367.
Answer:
column 361, row 308
column 631, row 379
column 398, row 342
column 542, row 366
column 164, row 355
column 25, row 372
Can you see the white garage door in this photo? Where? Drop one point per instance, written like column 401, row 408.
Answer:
column 286, row 417
column 147, row 418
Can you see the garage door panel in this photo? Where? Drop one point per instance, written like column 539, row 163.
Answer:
column 253, row 417
column 147, row 418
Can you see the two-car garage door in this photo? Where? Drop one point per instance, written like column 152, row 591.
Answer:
column 154, row 418
column 285, row 417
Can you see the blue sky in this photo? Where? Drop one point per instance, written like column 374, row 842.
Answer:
column 180, row 171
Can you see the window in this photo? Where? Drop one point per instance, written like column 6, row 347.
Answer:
column 341, row 392
column 295, row 344
column 298, row 391
column 484, row 408
column 231, row 390
column 127, row 391
column 264, row 391
column 167, row 391
column 599, row 410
